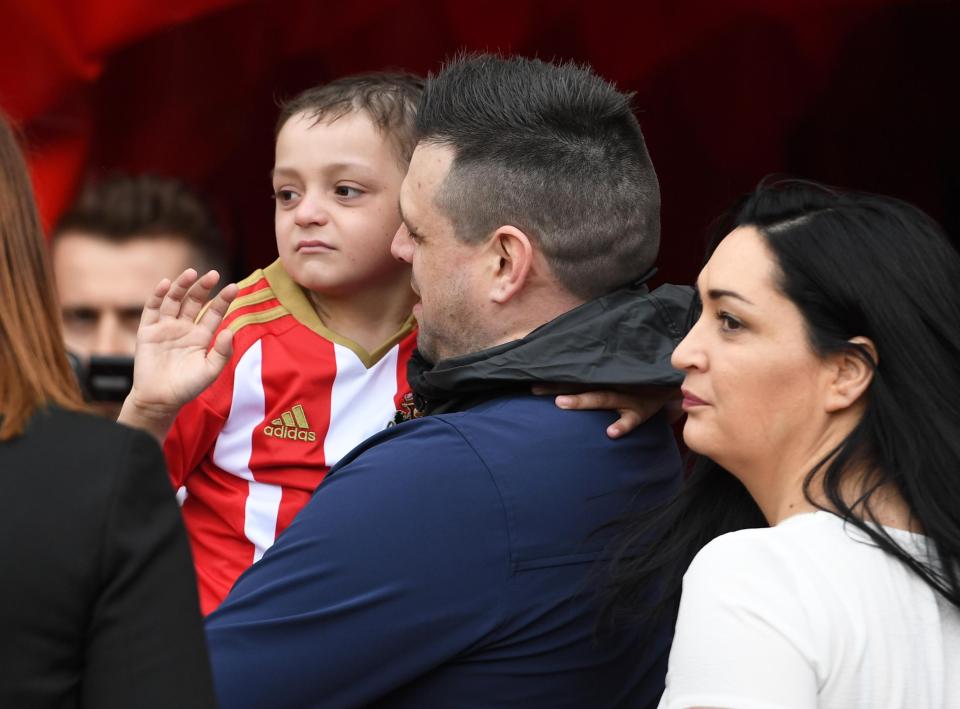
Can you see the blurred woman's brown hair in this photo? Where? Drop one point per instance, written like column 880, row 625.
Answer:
column 34, row 369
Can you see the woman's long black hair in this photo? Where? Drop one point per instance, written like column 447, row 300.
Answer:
column 854, row 265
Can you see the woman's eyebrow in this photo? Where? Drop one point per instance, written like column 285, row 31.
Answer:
column 717, row 293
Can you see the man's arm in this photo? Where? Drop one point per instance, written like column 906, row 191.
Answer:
column 395, row 567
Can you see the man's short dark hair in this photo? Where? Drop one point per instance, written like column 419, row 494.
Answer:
column 388, row 98
column 554, row 150
column 124, row 207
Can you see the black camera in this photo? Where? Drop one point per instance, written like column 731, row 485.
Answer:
column 103, row 378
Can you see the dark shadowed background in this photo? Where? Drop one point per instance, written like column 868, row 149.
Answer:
column 859, row 93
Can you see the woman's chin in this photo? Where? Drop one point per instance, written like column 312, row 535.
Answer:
column 704, row 442
column 693, row 437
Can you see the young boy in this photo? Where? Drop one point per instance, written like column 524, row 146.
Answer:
column 321, row 336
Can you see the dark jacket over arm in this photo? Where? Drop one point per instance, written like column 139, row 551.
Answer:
column 447, row 563
column 98, row 602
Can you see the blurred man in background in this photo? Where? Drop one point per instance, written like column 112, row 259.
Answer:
column 121, row 236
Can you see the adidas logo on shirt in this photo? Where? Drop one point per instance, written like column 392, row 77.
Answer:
column 292, row 425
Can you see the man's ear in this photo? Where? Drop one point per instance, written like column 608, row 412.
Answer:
column 851, row 373
column 511, row 252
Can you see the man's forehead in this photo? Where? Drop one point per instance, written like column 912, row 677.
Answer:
column 404, row 204
column 432, row 157
column 76, row 240
column 412, row 190
column 117, row 271
column 429, row 166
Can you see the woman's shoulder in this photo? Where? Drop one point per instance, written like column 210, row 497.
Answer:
column 79, row 425
column 76, row 439
column 775, row 576
column 783, row 547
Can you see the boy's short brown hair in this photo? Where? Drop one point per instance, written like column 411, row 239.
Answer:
column 389, row 98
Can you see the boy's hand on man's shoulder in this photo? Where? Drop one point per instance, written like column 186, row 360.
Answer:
column 635, row 406
column 174, row 361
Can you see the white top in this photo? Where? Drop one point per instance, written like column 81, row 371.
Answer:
column 805, row 614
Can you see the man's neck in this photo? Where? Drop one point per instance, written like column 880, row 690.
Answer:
column 537, row 308
column 369, row 318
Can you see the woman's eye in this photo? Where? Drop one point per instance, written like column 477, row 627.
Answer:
column 728, row 323
column 347, row 191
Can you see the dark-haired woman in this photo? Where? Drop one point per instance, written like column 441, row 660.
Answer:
column 818, row 540
column 98, row 606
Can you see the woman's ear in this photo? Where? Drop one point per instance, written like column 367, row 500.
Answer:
column 852, row 374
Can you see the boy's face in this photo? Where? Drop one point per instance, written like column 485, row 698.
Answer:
column 337, row 188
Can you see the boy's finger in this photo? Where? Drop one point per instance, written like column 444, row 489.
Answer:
column 628, row 421
column 197, row 295
column 220, row 353
column 151, row 309
column 215, row 311
column 170, row 307
column 592, row 400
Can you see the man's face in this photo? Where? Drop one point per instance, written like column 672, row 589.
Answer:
column 103, row 285
column 447, row 274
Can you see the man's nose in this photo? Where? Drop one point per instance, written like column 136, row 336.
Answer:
column 402, row 245
column 112, row 339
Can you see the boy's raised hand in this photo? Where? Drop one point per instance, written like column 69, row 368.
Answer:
column 172, row 364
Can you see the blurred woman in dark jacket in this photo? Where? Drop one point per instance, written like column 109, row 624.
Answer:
column 98, row 605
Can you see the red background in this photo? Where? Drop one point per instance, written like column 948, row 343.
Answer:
column 860, row 93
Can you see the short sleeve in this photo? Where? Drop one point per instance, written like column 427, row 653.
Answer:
column 741, row 638
column 197, row 426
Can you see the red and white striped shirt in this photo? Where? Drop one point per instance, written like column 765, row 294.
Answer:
column 293, row 400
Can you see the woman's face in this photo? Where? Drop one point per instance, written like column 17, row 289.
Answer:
column 754, row 390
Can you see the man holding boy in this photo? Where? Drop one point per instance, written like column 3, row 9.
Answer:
column 449, row 561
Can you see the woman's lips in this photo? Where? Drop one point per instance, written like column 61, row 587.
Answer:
column 691, row 401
